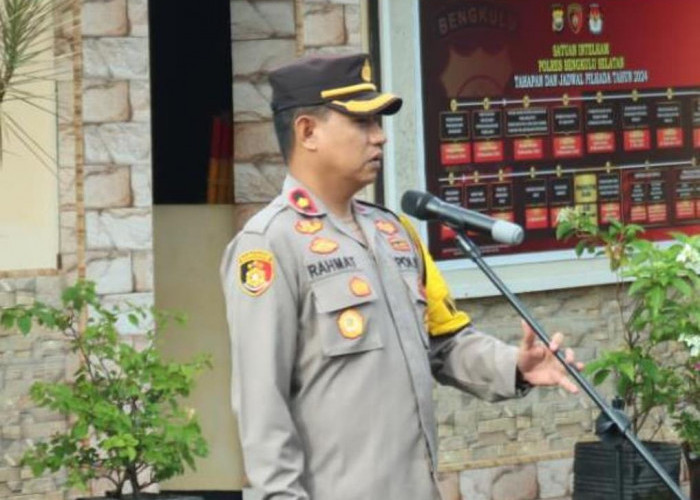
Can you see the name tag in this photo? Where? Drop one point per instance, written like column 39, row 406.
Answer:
column 330, row 266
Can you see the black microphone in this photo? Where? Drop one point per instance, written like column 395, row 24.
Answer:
column 425, row 206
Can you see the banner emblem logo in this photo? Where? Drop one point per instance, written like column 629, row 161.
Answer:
column 595, row 19
column 575, row 16
column 557, row 18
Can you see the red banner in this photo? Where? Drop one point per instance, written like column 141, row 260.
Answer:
column 544, row 105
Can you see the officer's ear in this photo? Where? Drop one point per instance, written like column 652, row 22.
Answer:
column 305, row 127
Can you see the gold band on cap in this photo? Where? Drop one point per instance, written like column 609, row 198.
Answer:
column 350, row 89
column 365, row 106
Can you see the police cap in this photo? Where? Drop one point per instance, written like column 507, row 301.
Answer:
column 343, row 83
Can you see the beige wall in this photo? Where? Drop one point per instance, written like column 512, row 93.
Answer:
column 188, row 244
column 28, row 185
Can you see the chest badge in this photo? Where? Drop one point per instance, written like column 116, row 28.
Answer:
column 323, row 246
column 256, row 270
column 308, row 226
column 302, row 202
column 351, row 324
column 386, row 227
column 400, row 244
column 360, row 287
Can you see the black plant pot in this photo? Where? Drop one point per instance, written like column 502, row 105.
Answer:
column 606, row 472
column 693, row 463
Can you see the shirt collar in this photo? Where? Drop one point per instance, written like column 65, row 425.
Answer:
column 298, row 196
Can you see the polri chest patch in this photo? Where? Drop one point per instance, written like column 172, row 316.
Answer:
column 399, row 244
column 386, row 227
column 351, row 324
column 360, row 287
column 323, row 246
column 308, row 226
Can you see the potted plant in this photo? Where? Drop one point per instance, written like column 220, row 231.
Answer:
column 126, row 424
column 658, row 297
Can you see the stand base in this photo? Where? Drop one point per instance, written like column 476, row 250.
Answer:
column 604, row 472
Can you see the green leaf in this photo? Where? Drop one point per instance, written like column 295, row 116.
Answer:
column 682, row 286
column 656, row 298
column 600, row 376
column 24, row 323
column 133, row 319
column 627, row 369
column 80, row 430
column 7, row 319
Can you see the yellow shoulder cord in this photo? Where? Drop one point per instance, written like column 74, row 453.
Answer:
column 443, row 316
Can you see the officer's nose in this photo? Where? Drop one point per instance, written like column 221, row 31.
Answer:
column 378, row 136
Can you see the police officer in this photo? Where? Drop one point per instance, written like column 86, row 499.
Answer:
column 339, row 318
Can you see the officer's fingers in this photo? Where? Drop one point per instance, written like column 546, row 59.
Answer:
column 568, row 385
column 569, row 356
column 528, row 335
column 556, row 341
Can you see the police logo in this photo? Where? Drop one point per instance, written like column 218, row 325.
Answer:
column 323, row 246
column 351, row 324
column 308, row 226
column 302, row 202
column 575, row 16
column 386, row 227
column 359, row 287
column 557, row 18
column 256, row 271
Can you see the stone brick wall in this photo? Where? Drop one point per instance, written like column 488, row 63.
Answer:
column 119, row 239
column 266, row 34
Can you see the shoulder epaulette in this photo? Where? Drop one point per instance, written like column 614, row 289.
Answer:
column 260, row 221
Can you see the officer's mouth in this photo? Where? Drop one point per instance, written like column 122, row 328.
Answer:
column 376, row 160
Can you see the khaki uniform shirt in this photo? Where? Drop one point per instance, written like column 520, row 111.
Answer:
column 332, row 366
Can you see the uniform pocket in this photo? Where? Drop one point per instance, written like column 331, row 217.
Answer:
column 346, row 304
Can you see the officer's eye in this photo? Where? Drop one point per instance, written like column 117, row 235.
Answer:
column 366, row 121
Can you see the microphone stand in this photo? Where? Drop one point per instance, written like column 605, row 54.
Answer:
column 619, row 424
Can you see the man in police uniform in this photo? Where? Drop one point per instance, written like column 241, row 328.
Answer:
column 340, row 319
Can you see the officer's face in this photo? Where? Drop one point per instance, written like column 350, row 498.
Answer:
column 350, row 148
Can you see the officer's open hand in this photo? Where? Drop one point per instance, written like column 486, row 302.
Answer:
column 539, row 366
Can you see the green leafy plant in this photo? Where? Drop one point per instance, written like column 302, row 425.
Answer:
column 126, row 422
column 658, row 294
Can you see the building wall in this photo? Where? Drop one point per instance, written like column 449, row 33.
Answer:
column 119, row 241
column 266, row 34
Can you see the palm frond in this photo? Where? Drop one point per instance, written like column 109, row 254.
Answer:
column 27, row 55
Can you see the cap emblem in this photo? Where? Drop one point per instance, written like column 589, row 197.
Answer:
column 366, row 73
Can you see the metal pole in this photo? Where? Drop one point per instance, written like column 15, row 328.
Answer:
column 616, row 417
